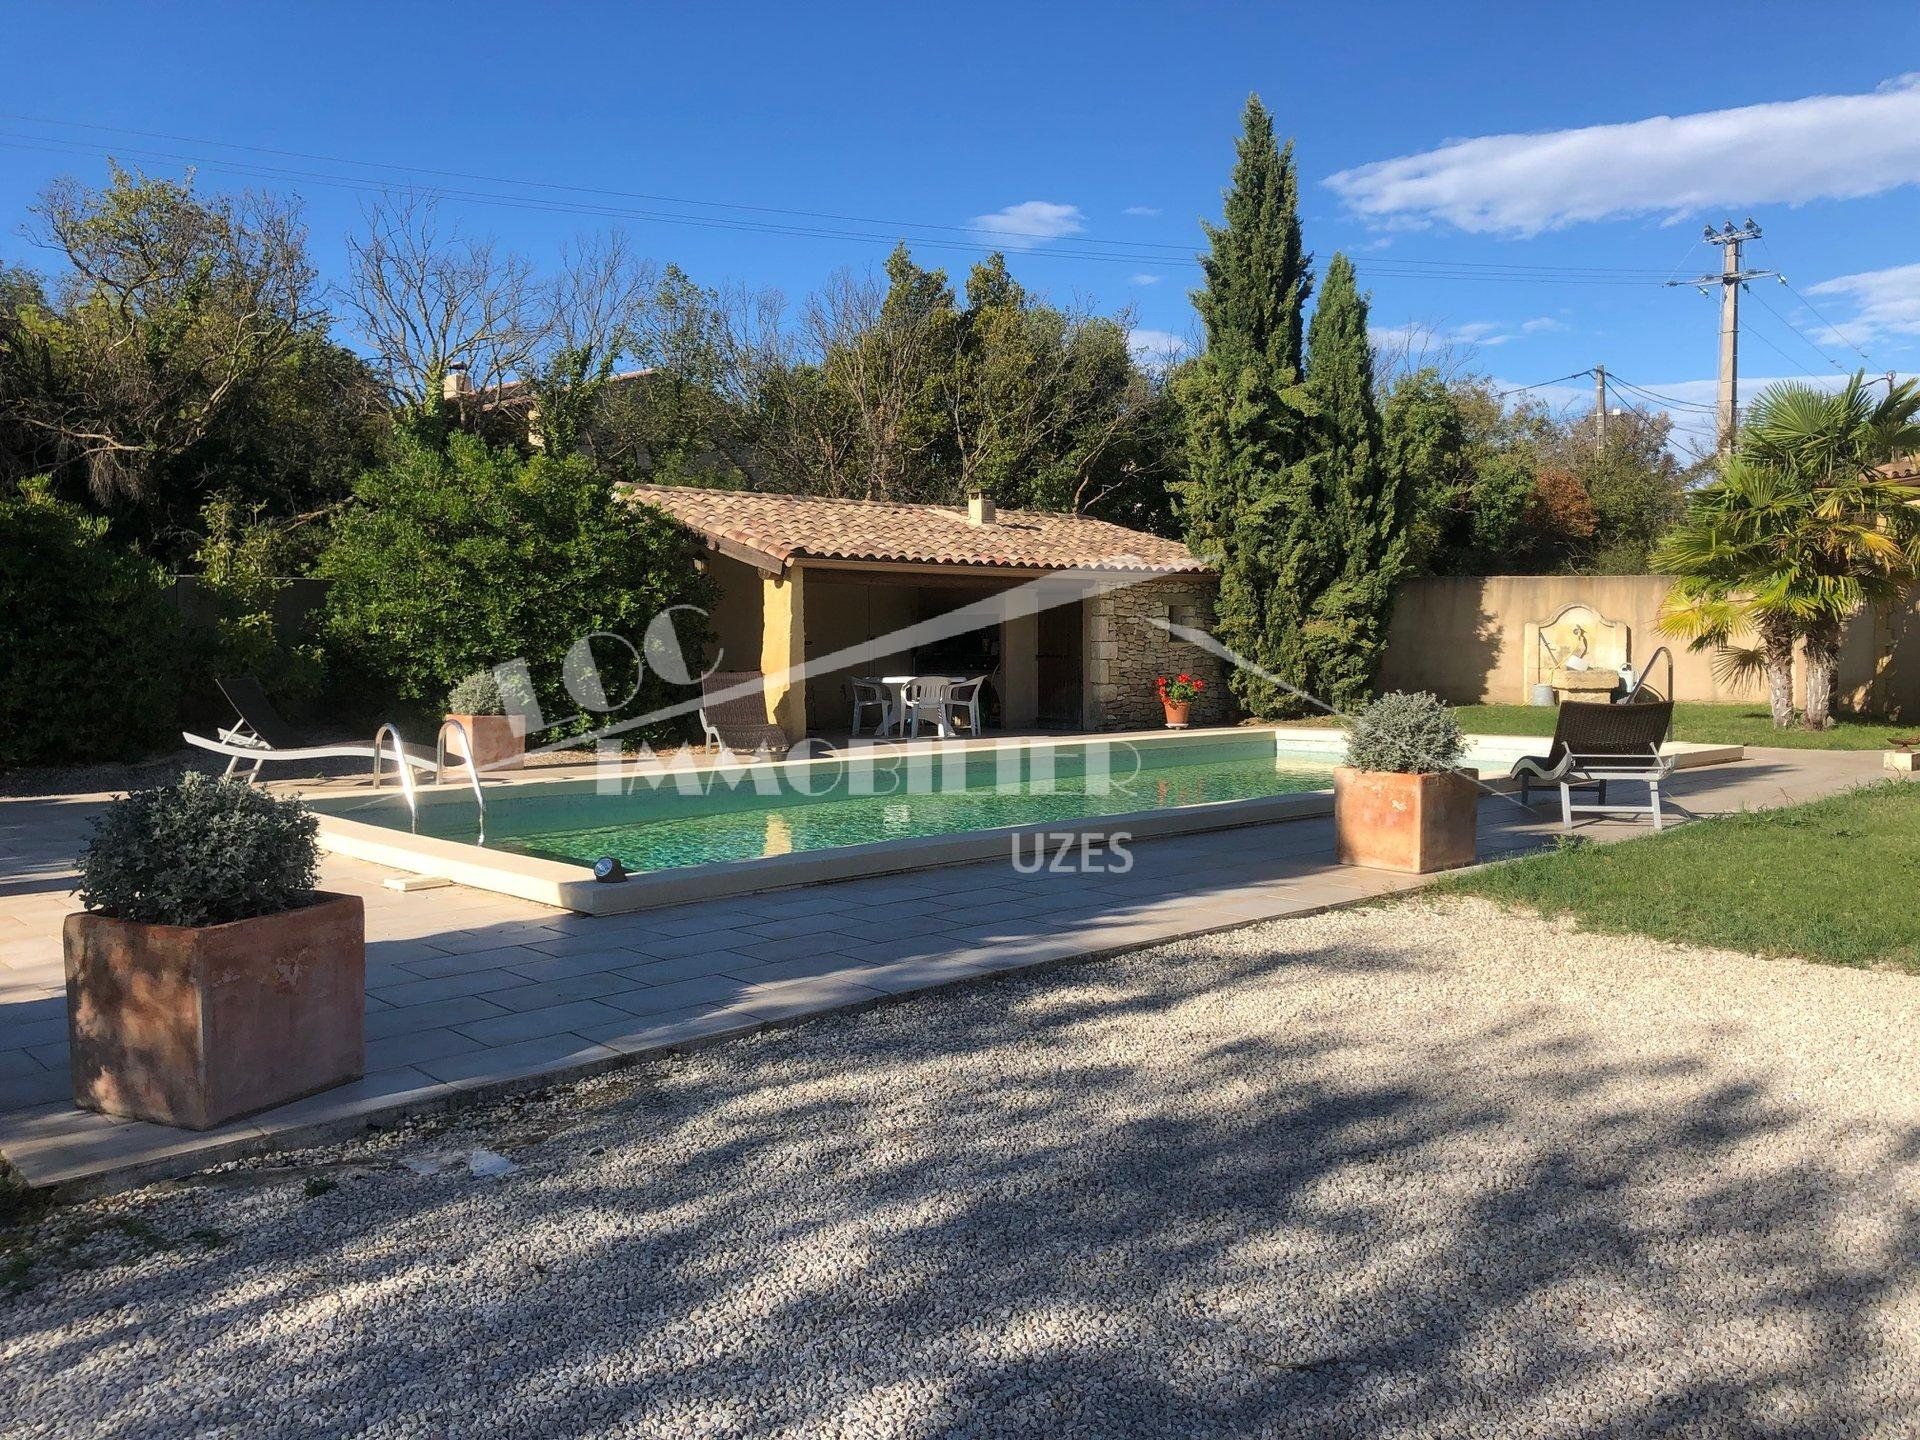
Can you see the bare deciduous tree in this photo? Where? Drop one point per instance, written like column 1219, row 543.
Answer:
column 878, row 358
column 598, row 300
column 173, row 306
column 1405, row 350
column 429, row 298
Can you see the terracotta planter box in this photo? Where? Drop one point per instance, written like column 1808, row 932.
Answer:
column 1411, row 823
column 193, row 1025
column 500, row 743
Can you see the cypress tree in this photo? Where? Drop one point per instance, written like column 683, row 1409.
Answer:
column 1246, row 502
column 1361, row 527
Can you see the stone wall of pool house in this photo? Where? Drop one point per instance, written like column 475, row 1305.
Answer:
column 1125, row 651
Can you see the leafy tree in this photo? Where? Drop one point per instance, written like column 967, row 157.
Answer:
column 460, row 558
column 1634, row 485
column 1424, row 435
column 699, row 412
column 1247, row 501
column 1800, row 529
column 174, row 310
column 1499, row 502
column 1561, row 514
column 1501, row 486
column 90, row 668
column 1045, row 404
column 243, row 565
column 1364, row 511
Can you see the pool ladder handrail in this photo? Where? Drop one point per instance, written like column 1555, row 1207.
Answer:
column 1633, row 690
column 407, row 787
column 473, row 768
column 400, row 764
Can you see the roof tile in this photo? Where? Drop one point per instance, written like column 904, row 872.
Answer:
column 811, row 527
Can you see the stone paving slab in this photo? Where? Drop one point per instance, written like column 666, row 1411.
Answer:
column 470, row 993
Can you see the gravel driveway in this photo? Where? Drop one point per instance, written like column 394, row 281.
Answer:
column 1412, row 1170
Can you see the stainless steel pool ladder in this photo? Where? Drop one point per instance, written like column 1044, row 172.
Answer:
column 473, row 766
column 407, row 788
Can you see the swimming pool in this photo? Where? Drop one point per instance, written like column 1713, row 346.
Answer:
column 702, row 816
column 691, row 832
column 709, row 830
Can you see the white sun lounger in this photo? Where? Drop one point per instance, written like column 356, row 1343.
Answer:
column 262, row 737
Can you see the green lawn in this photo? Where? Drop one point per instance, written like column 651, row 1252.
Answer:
column 1706, row 724
column 1827, row 881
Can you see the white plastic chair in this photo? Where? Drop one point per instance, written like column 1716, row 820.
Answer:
column 872, row 695
column 924, row 697
column 948, row 703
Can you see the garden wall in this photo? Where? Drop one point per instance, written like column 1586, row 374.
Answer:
column 1462, row 638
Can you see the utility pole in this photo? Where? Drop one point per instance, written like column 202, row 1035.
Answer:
column 1731, row 280
column 1599, row 407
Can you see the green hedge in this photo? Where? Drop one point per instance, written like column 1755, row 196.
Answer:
column 90, row 647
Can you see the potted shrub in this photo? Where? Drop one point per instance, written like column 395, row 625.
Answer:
column 1177, row 696
column 1399, row 803
column 208, row 978
column 499, row 740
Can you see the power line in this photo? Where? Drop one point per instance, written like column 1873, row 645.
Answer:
column 1075, row 248
column 1838, row 333
column 1805, row 339
column 1732, row 278
column 1668, row 401
column 1542, row 384
column 1761, row 336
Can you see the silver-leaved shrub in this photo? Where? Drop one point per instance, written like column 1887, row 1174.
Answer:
column 201, row 851
column 1407, row 732
column 478, row 694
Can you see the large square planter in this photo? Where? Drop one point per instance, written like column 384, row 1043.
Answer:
column 194, row 1025
column 1410, row 823
column 499, row 743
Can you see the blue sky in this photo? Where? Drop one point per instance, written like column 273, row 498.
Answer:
column 1434, row 141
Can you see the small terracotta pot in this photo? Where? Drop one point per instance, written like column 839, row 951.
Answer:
column 193, row 1025
column 1411, row 823
column 1176, row 713
column 499, row 742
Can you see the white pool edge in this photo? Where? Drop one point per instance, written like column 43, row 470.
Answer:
column 572, row 887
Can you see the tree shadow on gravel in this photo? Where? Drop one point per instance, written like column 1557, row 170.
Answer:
column 1178, row 1195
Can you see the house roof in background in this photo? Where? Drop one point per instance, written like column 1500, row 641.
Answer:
column 780, row 529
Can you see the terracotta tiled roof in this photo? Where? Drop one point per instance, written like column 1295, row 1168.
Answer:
column 1907, row 467
column 517, row 394
column 781, row 528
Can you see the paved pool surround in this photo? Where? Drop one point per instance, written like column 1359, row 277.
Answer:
column 570, row 886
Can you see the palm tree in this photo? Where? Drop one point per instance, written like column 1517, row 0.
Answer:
column 1800, row 529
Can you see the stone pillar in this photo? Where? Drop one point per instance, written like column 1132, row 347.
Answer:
column 783, row 629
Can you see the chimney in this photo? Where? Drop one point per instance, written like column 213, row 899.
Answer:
column 979, row 510
column 455, row 383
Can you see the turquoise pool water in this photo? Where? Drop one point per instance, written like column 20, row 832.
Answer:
column 663, row 828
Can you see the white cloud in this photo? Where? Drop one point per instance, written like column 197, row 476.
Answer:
column 1145, row 279
column 1030, row 223
column 1418, row 336
column 1783, row 152
column 1141, row 210
column 1884, row 302
column 1155, row 347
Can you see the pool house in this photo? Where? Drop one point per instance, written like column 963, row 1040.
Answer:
column 1064, row 614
